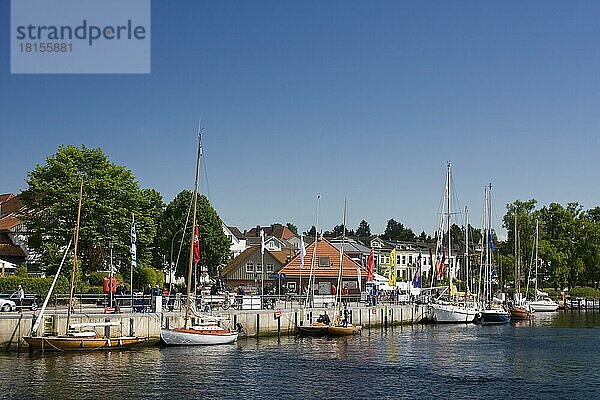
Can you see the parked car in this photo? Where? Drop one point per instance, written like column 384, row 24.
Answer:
column 7, row 305
column 30, row 301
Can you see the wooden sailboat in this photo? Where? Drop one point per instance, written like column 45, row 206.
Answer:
column 518, row 312
column 82, row 336
column 207, row 332
column 341, row 325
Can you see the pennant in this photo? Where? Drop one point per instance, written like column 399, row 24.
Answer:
column 302, row 252
column 262, row 242
column 370, row 265
column 392, row 269
column 133, row 250
column 442, row 266
column 196, row 246
column 417, row 280
column 359, row 276
column 433, row 268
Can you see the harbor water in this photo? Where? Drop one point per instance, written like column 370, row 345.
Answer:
column 554, row 356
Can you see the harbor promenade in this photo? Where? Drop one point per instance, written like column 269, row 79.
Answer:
column 255, row 323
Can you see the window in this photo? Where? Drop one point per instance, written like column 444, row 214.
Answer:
column 410, row 260
column 403, row 260
column 270, row 267
column 324, row 262
column 249, row 267
column 259, row 268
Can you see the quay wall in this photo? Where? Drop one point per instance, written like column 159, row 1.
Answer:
column 256, row 323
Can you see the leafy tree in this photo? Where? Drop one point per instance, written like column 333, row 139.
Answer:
column 292, row 228
column 363, row 229
column 396, row 231
column 214, row 245
column 111, row 196
column 311, row 232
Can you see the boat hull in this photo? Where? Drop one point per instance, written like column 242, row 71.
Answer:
column 519, row 313
column 69, row 343
column 312, row 330
column 543, row 306
column 192, row 337
column 452, row 314
column 343, row 330
column 493, row 317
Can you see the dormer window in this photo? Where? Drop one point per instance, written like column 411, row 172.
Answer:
column 324, row 262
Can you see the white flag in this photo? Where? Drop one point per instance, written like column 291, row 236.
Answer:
column 262, row 242
column 133, row 240
column 302, row 252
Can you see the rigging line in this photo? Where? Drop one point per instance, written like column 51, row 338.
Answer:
column 187, row 219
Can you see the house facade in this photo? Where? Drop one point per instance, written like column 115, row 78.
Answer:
column 247, row 269
column 325, row 270
column 13, row 238
column 237, row 240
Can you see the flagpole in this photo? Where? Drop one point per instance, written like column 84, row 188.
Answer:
column 133, row 257
column 262, row 263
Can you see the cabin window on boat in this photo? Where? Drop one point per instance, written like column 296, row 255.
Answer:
column 249, row 267
column 269, row 267
column 324, row 262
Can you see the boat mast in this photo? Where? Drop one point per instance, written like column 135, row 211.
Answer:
column 339, row 281
column 448, row 187
column 517, row 282
column 467, row 286
column 191, row 259
column 74, row 256
column 309, row 289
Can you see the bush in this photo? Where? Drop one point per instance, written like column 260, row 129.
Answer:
column 38, row 286
column 586, row 292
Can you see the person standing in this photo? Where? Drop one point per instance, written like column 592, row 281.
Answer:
column 20, row 295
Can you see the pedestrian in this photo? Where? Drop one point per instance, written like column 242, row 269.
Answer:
column 333, row 290
column 346, row 314
column 20, row 295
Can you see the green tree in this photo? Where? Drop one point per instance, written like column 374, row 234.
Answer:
column 363, row 229
column 396, row 231
column 111, row 196
column 292, row 228
column 214, row 245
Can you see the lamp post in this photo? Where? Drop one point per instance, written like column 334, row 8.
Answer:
column 172, row 267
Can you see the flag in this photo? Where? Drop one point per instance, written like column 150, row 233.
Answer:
column 417, row 281
column 433, row 268
column 262, row 242
column 370, row 264
column 457, row 267
column 196, row 246
column 359, row 276
column 491, row 240
column 302, row 252
column 133, row 240
column 442, row 266
column 392, row 269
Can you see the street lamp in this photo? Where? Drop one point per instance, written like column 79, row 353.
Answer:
column 171, row 261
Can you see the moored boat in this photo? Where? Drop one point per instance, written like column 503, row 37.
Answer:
column 519, row 313
column 314, row 329
column 493, row 316
column 204, row 334
column 543, row 304
column 452, row 313
column 340, row 330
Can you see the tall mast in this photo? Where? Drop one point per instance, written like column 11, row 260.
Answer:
column 448, row 186
column 339, row 281
column 516, row 240
column 191, row 259
column 314, row 254
column 74, row 256
column 467, row 288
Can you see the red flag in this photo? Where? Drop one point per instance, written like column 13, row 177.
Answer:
column 196, row 246
column 370, row 262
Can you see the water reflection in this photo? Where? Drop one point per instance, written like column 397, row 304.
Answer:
column 552, row 356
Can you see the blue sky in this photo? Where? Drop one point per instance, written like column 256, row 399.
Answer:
column 368, row 100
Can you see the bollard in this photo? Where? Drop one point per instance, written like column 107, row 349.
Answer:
column 257, row 324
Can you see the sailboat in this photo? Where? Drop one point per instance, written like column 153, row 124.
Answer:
column 208, row 331
column 81, row 336
column 492, row 313
column 341, row 325
column 452, row 310
column 518, row 311
column 542, row 302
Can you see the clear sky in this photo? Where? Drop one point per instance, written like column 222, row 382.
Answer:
column 357, row 98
